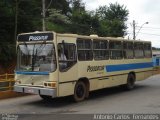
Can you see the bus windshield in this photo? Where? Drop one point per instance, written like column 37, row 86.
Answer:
column 36, row 57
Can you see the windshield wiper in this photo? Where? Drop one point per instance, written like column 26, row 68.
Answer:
column 33, row 58
column 26, row 47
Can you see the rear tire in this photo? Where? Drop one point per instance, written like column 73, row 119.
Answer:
column 80, row 91
column 130, row 82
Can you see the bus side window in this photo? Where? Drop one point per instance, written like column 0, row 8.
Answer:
column 67, row 56
column 84, row 48
column 138, row 50
column 100, row 50
column 115, row 49
column 128, row 50
column 147, row 50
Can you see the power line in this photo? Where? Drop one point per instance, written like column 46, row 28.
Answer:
column 150, row 34
column 149, row 27
column 146, row 29
column 146, row 33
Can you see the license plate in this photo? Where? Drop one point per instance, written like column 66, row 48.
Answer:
column 30, row 91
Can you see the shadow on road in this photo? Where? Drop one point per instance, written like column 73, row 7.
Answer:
column 107, row 92
column 95, row 95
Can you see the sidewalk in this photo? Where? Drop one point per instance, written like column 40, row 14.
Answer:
column 10, row 94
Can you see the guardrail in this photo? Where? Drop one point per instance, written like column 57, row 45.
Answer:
column 6, row 82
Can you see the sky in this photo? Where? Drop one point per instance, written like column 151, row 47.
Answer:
column 141, row 11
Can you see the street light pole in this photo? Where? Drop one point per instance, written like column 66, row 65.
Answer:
column 134, row 26
column 16, row 20
column 43, row 15
column 44, row 9
column 141, row 28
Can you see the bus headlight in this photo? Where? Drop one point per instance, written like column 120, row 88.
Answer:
column 50, row 84
column 17, row 82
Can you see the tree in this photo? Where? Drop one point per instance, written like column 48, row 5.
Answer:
column 62, row 5
column 74, row 20
column 62, row 16
column 57, row 21
column 29, row 15
column 77, row 6
column 80, row 18
column 7, row 47
column 112, row 20
column 29, row 19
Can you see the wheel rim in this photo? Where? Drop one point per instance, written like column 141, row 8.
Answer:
column 80, row 91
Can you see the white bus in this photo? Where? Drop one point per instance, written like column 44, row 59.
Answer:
column 55, row 65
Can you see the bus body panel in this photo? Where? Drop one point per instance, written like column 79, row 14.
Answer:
column 68, row 78
column 36, row 80
column 100, row 73
column 102, row 79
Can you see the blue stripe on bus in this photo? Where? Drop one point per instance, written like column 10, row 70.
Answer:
column 32, row 73
column 120, row 67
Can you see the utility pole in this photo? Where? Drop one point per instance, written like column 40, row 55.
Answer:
column 43, row 15
column 134, row 26
column 16, row 20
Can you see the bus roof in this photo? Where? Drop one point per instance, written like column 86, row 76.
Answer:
column 85, row 36
column 100, row 38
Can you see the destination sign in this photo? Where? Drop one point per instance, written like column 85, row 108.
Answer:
column 35, row 37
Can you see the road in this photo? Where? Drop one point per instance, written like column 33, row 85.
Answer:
column 145, row 98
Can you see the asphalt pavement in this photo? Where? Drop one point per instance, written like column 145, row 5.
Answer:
column 145, row 98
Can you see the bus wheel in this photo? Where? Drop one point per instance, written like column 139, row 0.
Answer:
column 130, row 82
column 45, row 97
column 79, row 91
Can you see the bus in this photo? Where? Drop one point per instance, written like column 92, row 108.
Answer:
column 90, row 63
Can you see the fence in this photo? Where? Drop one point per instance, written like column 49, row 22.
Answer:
column 6, row 82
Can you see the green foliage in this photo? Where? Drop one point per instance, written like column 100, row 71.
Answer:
column 7, row 50
column 117, row 11
column 81, row 23
column 56, row 27
column 77, row 6
column 64, row 16
column 154, row 48
column 56, row 16
column 29, row 15
column 112, row 19
column 62, row 5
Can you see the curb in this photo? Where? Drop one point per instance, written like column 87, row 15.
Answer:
column 10, row 94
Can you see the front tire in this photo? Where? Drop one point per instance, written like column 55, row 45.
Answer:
column 80, row 91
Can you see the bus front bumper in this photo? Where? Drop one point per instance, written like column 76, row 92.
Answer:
column 36, row 90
